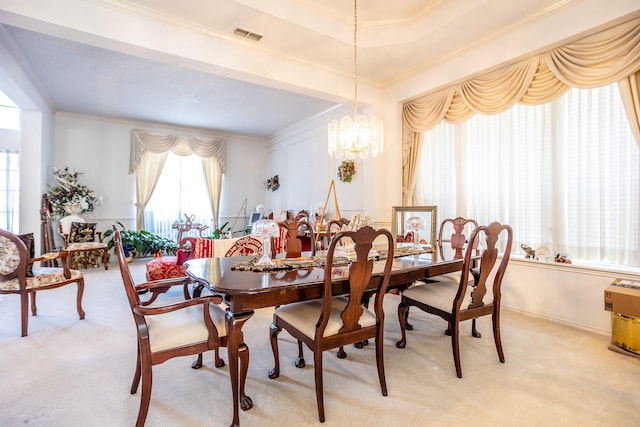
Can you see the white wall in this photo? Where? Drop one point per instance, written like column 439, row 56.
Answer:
column 100, row 148
column 299, row 156
column 568, row 293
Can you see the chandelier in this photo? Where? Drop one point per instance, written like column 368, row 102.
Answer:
column 356, row 136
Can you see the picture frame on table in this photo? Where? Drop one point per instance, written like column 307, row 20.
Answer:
column 402, row 235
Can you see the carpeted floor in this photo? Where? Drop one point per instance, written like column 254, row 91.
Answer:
column 69, row 372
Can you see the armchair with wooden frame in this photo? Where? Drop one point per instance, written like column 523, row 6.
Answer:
column 335, row 321
column 470, row 299
column 18, row 275
column 85, row 244
column 180, row 327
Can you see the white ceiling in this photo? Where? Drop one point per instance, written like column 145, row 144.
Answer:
column 79, row 69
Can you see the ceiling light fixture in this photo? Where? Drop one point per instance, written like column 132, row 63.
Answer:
column 358, row 136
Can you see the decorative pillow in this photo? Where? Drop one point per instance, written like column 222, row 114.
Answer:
column 182, row 255
column 31, row 251
column 82, row 232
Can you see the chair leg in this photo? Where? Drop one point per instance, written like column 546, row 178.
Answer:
column 147, row 378
column 219, row 363
column 299, row 363
column 474, row 331
column 403, row 311
column 455, row 344
column 496, row 334
column 341, row 353
column 198, row 362
column 105, row 258
column 380, row 360
column 24, row 316
column 136, row 375
column 34, row 307
column 79, row 298
column 317, row 359
column 273, row 337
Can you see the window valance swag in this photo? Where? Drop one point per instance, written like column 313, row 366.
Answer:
column 611, row 55
column 142, row 141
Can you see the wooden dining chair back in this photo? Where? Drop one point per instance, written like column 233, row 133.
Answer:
column 334, row 226
column 334, row 321
column 293, row 245
column 19, row 275
column 452, row 239
column 180, row 327
column 468, row 300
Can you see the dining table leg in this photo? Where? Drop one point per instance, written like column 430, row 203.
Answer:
column 237, row 351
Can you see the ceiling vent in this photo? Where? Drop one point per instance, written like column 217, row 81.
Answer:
column 247, row 34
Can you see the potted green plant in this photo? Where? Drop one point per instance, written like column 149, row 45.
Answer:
column 141, row 243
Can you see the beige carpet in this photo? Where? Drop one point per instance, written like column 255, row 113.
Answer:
column 69, row 372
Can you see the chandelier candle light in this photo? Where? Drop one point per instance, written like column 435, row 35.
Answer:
column 356, row 136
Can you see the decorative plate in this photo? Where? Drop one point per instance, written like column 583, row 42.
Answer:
column 543, row 253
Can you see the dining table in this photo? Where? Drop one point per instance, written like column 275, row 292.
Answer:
column 245, row 291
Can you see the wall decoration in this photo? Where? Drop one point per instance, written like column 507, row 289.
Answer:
column 272, row 183
column 346, row 170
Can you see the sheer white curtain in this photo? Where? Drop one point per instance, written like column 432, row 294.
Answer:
column 181, row 190
column 565, row 175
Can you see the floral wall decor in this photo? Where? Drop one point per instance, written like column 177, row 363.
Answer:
column 346, row 170
column 67, row 195
column 272, row 183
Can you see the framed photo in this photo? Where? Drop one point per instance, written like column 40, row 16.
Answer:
column 402, row 234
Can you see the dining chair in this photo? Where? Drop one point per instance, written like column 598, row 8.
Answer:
column 293, row 245
column 19, row 275
column 468, row 300
column 334, row 321
column 166, row 330
column 334, row 226
column 451, row 246
column 451, row 243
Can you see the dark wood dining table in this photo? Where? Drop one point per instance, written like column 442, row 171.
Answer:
column 246, row 291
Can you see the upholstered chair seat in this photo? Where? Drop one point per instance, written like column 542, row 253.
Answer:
column 42, row 277
column 165, row 268
column 440, row 294
column 183, row 327
column 303, row 316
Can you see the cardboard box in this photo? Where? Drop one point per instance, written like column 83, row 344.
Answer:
column 623, row 297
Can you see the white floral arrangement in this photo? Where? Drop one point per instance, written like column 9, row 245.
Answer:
column 68, row 191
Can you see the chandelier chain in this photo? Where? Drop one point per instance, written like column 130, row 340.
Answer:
column 355, row 59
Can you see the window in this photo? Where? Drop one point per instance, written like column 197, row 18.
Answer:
column 9, row 190
column 181, row 190
column 565, row 175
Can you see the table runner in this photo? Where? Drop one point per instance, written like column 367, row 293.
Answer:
column 249, row 264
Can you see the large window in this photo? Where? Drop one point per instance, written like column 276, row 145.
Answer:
column 565, row 175
column 9, row 190
column 180, row 191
